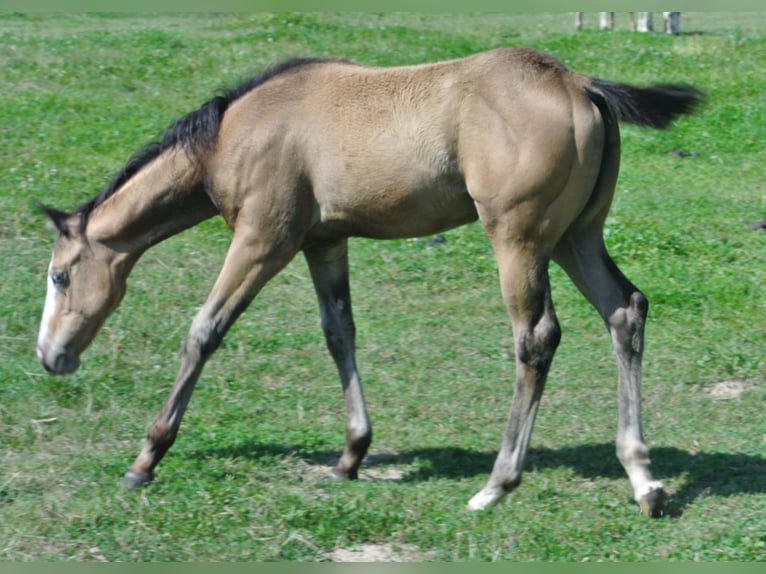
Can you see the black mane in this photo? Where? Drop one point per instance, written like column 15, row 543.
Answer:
column 195, row 132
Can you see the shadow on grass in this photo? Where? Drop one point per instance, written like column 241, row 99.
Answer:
column 703, row 474
column 712, row 474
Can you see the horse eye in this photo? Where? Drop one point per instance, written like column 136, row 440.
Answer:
column 60, row 280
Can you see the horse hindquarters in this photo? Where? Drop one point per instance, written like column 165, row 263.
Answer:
column 529, row 178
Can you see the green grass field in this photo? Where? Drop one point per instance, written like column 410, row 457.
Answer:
column 245, row 481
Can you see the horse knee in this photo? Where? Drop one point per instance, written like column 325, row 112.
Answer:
column 202, row 341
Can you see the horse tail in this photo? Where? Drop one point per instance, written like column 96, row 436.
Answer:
column 654, row 106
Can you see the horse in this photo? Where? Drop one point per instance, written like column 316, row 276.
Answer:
column 314, row 151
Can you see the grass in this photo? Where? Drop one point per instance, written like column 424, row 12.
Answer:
column 244, row 481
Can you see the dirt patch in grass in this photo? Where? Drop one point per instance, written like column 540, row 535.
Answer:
column 379, row 553
column 727, row 389
column 374, row 467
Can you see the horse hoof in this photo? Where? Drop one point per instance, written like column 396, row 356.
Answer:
column 485, row 500
column 342, row 474
column 135, row 480
column 652, row 504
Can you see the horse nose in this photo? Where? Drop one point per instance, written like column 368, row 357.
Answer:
column 62, row 364
column 41, row 358
column 50, row 369
column 47, row 368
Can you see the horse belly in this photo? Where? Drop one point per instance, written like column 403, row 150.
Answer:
column 389, row 175
column 396, row 209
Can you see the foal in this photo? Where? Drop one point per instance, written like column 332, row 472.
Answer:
column 313, row 151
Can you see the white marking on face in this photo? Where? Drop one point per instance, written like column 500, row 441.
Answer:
column 48, row 310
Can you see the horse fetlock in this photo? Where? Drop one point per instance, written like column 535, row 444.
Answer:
column 494, row 492
column 353, row 455
column 357, row 443
column 160, row 438
column 343, row 472
column 634, row 456
column 348, row 465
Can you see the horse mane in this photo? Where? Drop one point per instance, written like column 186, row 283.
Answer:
column 195, row 133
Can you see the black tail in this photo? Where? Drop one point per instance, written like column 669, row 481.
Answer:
column 654, row 106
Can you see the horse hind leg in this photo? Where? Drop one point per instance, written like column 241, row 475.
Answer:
column 527, row 294
column 624, row 309
column 329, row 271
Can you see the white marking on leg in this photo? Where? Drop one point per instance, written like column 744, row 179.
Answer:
column 486, row 498
column 634, row 457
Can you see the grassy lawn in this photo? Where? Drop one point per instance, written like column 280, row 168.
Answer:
column 245, row 481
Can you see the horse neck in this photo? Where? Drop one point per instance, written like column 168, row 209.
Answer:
column 162, row 199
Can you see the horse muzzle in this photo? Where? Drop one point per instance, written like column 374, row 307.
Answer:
column 61, row 363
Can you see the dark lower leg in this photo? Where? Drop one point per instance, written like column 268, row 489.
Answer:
column 537, row 333
column 329, row 271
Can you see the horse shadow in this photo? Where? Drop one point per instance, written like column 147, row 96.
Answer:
column 702, row 473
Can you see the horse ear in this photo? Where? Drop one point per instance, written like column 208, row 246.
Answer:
column 60, row 219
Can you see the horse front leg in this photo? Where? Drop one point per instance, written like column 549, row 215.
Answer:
column 536, row 333
column 329, row 270
column 249, row 264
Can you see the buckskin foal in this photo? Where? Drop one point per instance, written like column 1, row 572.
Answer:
column 314, row 151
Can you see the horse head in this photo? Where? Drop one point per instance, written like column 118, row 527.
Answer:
column 84, row 286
